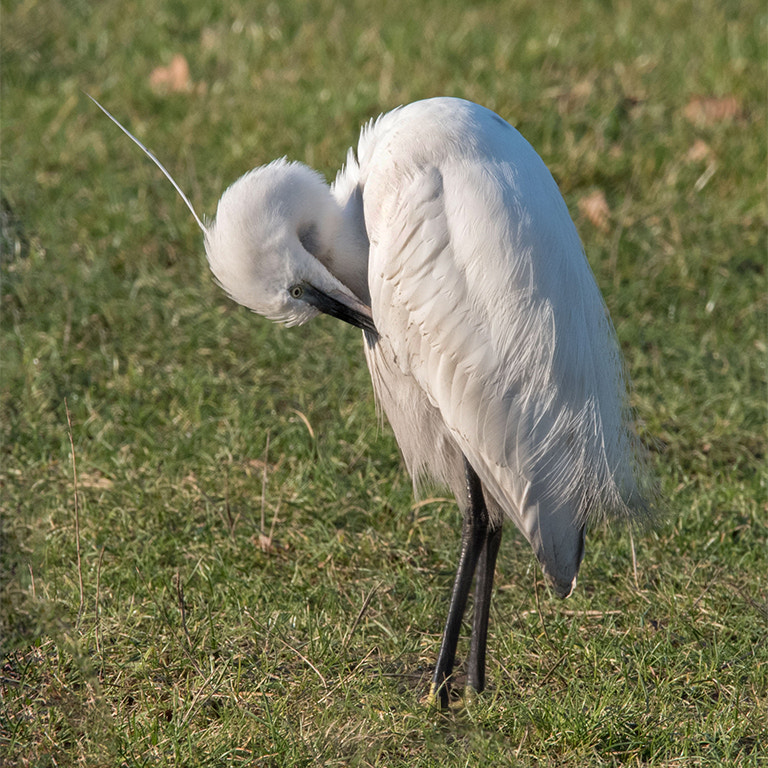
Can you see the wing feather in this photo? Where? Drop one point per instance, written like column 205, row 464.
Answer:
column 483, row 297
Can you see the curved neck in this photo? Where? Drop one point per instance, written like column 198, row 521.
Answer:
column 345, row 254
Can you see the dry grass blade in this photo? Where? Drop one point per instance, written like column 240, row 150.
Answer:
column 360, row 614
column 203, row 689
column 307, row 662
column 81, row 607
column 98, row 600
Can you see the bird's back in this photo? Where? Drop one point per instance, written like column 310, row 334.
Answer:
column 494, row 341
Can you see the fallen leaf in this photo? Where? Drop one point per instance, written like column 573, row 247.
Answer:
column 708, row 110
column 260, row 466
column 699, row 151
column 175, row 77
column 595, row 208
column 191, row 480
column 582, row 89
column 94, row 480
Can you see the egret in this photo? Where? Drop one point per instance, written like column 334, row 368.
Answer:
column 446, row 240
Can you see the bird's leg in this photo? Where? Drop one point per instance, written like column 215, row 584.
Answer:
column 483, row 588
column 472, row 542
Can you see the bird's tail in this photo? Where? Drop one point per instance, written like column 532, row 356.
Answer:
column 557, row 537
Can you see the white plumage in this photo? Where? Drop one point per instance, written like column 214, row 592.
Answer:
column 491, row 322
column 490, row 349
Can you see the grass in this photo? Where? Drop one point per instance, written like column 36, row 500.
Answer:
column 258, row 585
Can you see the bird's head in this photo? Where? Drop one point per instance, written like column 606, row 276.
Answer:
column 267, row 244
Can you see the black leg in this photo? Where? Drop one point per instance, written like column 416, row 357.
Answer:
column 472, row 543
column 483, row 588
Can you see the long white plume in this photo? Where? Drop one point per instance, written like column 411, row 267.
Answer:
column 154, row 159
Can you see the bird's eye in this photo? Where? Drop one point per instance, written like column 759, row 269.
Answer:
column 296, row 291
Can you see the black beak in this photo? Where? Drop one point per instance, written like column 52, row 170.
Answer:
column 358, row 315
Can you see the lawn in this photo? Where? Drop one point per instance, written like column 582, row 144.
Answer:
column 211, row 552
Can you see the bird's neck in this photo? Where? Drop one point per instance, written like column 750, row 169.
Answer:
column 345, row 251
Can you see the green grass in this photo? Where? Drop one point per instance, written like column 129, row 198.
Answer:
column 199, row 643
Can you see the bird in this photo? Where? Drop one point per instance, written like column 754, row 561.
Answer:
column 446, row 240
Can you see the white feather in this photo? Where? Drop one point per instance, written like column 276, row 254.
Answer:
column 494, row 339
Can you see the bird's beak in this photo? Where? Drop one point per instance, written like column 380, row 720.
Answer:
column 342, row 306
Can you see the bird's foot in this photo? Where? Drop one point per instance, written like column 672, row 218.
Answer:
column 437, row 698
column 470, row 697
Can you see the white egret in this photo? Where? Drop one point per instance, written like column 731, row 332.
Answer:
column 446, row 239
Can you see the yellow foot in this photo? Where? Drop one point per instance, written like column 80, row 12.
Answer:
column 470, row 696
column 432, row 699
